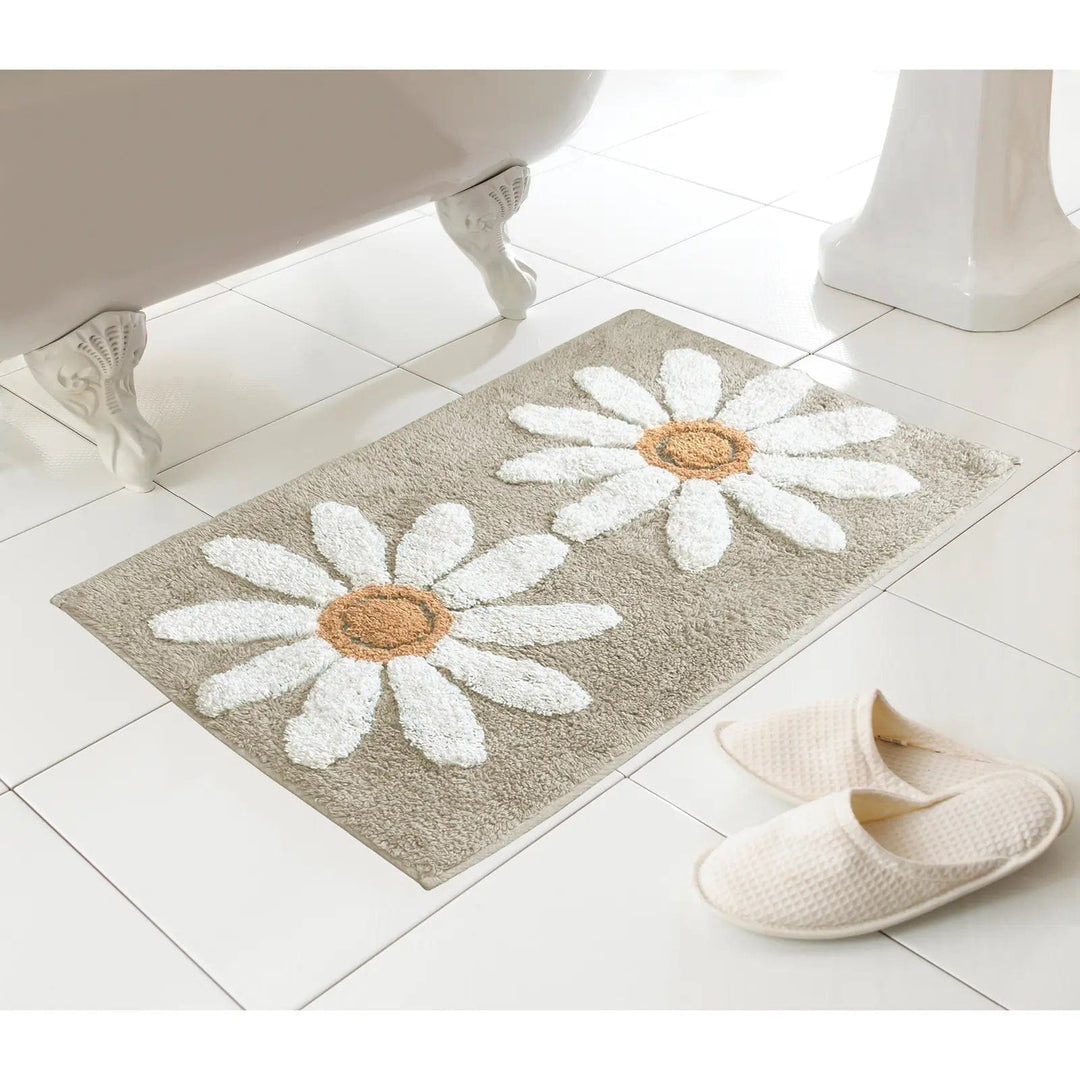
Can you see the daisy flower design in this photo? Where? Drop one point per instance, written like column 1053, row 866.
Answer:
column 413, row 624
column 695, row 455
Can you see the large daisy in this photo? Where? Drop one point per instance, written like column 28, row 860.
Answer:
column 408, row 624
column 694, row 455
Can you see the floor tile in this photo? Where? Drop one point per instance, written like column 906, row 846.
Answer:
column 469, row 362
column 626, row 929
column 1029, row 378
column 633, row 103
column 273, row 454
column 71, row 941
column 1017, row 941
column 766, row 146
column 162, row 307
column 758, row 271
column 45, row 469
column 310, row 251
column 62, row 688
column 1036, row 455
column 267, row 895
column 836, row 197
column 224, row 366
column 555, row 160
column 598, row 214
column 398, row 293
column 186, row 299
column 1015, row 575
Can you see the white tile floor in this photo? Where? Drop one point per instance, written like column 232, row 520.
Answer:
column 144, row 864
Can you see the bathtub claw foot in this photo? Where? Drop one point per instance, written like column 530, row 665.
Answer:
column 475, row 220
column 90, row 371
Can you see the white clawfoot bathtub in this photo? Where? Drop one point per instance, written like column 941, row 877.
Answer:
column 120, row 189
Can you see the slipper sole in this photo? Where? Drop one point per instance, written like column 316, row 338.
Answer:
column 833, row 933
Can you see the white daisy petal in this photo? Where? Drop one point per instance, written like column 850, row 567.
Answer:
column 614, row 503
column 698, row 526
column 338, row 713
column 818, row 432
column 435, row 715
column 618, row 393
column 691, row 382
column 272, row 567
column 765, row 398
column 510, row 567
column 534, row 624
column 265, row 676
column 521, row 684
column 570, row 464
column 839, row 477
column 350, row 542
column 438, row 540
column 235, row 620
column 575, row 425
column 791, row 515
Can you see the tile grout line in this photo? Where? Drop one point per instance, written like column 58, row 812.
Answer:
column 848, row 333
column 914, row 390
column 967, row 528
column 97, row 870
column 405, row 364
column 307, row 258
column 44, row 412
column 983, row 633
column 311, row 326
column 604, row 156
column 675, row 806
column 400, row 363
column 266, row 424
column 820, row 178
column 442, row 907
column 674, row 243
column 642, row 135
column 363, row 382
column 207, row 514
column 64, row 513
column 93, row 742
column 775, row 203
column 944, row 971
column 801, row 349
column 724, row 836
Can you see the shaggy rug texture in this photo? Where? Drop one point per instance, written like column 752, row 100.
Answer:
column 441, row 638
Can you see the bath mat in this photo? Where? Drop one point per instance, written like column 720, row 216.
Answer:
column 439, row 639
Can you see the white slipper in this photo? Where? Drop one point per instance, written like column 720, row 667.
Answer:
column 802, row 754
column 858, row 861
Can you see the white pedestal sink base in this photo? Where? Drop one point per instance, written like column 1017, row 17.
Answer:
column 962, row 224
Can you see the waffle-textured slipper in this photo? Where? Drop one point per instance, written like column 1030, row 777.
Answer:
column 858, row 861
column 804, row 753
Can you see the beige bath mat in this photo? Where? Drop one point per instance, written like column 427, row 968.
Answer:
column 439, row 639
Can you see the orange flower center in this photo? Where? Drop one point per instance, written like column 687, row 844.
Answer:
column 697, row 449
column 379, row 622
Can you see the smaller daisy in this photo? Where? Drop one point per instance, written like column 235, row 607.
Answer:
column 694, row 456
column 407, row 624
